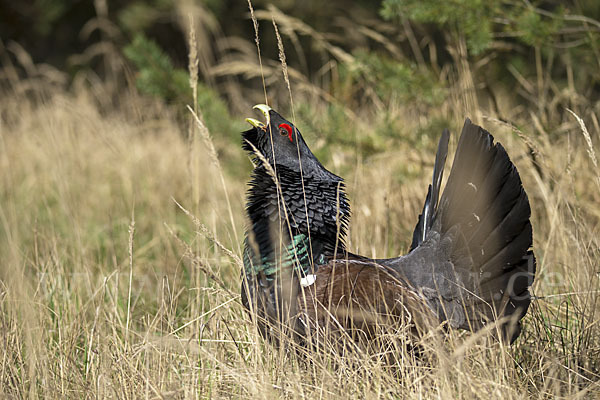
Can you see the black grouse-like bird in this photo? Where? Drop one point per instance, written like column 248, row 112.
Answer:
column 470, row 262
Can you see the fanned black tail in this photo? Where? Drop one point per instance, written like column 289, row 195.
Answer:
column 484, row 212
column 431, row 201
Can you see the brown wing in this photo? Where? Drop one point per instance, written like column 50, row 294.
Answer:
column 359, row 298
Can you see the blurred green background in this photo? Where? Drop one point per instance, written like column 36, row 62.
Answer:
column 346, row 58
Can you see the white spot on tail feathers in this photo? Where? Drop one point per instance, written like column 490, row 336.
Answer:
column 472, row 185
column 477, row 217
column 308, row 280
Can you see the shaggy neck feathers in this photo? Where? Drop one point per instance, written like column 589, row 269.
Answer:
column 294, row 223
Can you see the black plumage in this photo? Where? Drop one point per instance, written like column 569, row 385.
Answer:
column 470, row 262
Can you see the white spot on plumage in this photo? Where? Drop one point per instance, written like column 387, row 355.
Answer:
column 308, row 280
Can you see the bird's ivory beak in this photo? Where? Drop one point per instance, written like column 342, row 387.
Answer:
column 255, row 123
column 265, row 110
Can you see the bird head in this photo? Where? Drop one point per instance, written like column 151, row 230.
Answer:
column 281, row 143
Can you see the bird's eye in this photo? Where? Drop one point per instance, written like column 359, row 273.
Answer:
column 286, row 130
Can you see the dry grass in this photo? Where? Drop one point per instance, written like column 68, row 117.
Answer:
column 109, row 288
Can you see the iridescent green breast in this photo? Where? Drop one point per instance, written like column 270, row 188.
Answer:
column 296, row 256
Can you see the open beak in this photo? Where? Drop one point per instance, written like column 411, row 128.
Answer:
column 257, row 124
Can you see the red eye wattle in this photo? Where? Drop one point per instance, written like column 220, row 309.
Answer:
column 286, row 130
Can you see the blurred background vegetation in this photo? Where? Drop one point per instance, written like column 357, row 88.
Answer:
column 346, row 58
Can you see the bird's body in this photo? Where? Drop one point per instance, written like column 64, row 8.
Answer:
column 470, row 262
